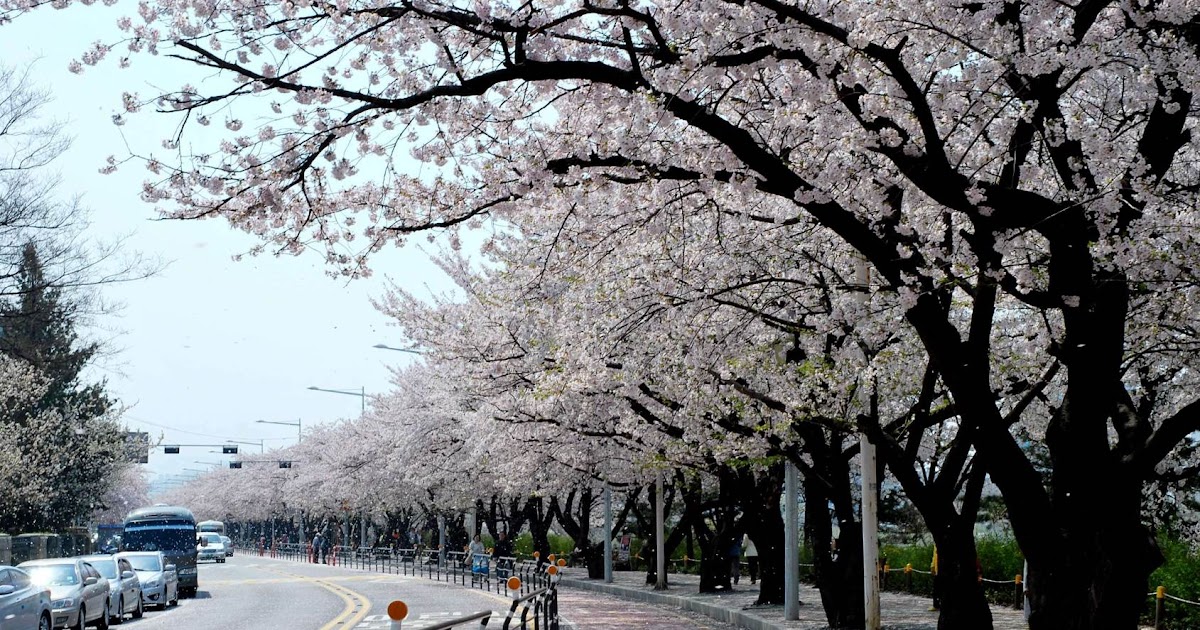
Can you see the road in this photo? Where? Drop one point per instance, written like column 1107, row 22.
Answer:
column 253, row 592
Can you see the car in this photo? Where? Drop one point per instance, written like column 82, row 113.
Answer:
column 23, row 604
column 160, row 583
column 124, row 589
column 78, row 593
column 225, row 540
column 210, row 547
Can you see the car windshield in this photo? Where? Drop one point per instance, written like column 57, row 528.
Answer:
column 211, row 538
column 54, row 575
column 144, row 563
column 158, row 538
column 107, row 568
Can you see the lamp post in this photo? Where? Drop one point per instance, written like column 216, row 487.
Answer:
column 361, row 393
column 297, row 424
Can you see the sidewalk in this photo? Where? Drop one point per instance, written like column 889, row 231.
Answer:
column 735, row 609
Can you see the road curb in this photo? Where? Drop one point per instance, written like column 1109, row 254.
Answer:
column 740, row 618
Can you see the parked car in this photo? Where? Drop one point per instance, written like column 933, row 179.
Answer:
column 210, row 547
column 160, row 583
column 124, row 589
column 23, row 604
column 78, row 593
column 228, row 542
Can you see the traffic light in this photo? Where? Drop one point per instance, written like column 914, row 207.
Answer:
column 171, row 450
column 284, row 464
column 235, row 464
column 229, row 450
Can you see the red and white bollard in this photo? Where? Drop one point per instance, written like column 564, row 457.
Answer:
column 397, row 612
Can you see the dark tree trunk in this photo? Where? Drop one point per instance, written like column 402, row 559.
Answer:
column 763, row 523
column 962, row 601
column 540, row 517
column 837, row 567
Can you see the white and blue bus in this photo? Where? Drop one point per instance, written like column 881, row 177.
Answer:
column 211, row 526
column 171, row 530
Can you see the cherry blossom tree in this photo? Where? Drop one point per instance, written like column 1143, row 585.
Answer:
column 983, row 158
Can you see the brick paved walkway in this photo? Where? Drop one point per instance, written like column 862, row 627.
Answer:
column 733, row 609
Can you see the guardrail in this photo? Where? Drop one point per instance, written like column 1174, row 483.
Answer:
column 532, row 583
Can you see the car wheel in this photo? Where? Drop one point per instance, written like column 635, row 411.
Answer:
column 102, row 622
column 44, row 623
column 116, row 619
column 82, row 616
column 139, row 611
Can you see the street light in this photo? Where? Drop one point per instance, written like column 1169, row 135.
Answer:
column 384, row 346
column 362, row 393
column 299, row 430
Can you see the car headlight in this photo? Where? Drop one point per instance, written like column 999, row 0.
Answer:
column 63, row 603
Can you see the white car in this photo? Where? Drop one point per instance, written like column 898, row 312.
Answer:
column 210, row 547
column 23, row 604
column 225, row 540
column 124, row 589
column 160, row 583
column 78, row 593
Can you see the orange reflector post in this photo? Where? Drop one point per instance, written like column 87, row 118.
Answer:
column 397, row 610
column 552, row 570
column 514, row 583
column 562, row 562
column 537, row 554
column 550, row 558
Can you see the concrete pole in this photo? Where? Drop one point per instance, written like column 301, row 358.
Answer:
column 791, row 545
column 870, row 524
column 608, row 535
column 660, row 543
column 870, row 487
column 441, row 540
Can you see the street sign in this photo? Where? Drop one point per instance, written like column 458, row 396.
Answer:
column 235, row 464
column 229, row 450
column 171, row 450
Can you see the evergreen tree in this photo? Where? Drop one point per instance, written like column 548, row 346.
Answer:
column 69, row 445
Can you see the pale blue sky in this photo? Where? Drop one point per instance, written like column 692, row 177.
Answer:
column 209, row 345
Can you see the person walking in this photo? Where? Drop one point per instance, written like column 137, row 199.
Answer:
column 317, row 541
column 735, row 559
column 476, row 546
column 751, row 557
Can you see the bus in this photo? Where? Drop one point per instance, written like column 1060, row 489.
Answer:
column 171, row 530
column 211, row 526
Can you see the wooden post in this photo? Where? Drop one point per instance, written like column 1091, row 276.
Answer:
column 1019, row 595
column 908, row 577
column 1160, row 607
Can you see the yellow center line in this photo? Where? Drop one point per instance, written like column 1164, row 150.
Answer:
column 357, row 605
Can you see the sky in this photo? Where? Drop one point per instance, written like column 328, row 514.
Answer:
column 207, row 346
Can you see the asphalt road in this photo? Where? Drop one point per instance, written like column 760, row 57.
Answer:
column 260, row 593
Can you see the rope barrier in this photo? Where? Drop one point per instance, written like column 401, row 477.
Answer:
column 1180, row 600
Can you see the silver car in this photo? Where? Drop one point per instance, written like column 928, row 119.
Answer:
column 160, row 584
column 78, row 593
column 124, row 588
column 225, row 540
column 23, row 605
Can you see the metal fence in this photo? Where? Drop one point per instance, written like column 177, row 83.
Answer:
column 534, row 589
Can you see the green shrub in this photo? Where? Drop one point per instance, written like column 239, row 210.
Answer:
column 1180, row 574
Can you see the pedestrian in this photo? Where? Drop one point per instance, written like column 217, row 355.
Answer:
column 476, row 546
column 751, row 557
column 735, row 559
column 501, row 552
column 317, row 544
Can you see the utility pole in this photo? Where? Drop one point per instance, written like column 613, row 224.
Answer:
column 791, row 545
column 608, row 535
column 660, row 544
column 870, row 485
